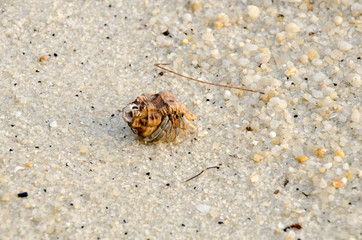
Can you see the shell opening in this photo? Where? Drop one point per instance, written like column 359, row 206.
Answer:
column 129, row 112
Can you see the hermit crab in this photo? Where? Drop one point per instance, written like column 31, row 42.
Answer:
column 158, row 117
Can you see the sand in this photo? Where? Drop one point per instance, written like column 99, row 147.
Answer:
column 288, row 161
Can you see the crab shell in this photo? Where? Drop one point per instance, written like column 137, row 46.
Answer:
column 145, row 114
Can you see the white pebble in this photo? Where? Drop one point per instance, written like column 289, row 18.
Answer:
column 317, row 93
column 344, row 180
column 215, row 54
column 17, row 114
column 203, row 208
column 249, row 48
column 53, row 124
column 187, row 18
column 272, row 134
column 227, row 95
column 280, row 37
column 319, row 77
column 275, row 101
column 328, row 165
column 244, row 62
column 253, row 12
column 303, row 59
column 209, row 96
column 254, row 178
column 356, row 9
column 317, row 62
column 313, row 19
column 355, row 116
column 208, row 36
column 355, row 80
column 346, row 166
column 338, row 171
column 344, row 46
column 338, row 20
column 323, row 183
column 292, row 28
column 333, row 115
column 17, row 168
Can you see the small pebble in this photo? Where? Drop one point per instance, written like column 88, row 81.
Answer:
column 292, row 29
column 17, row 168
column 187, row 18
column 257, row 158
column 291, row 71
column 323, row 183
column 83, row 149
column 302, row 159
column 53, row 124
column 337, row 184
column 355, row 116
column 253, row 12
column 314, row 19
column 185, row 41
column 196, row 6
column 17, row 114
column 223, row 19
column 215, row 54
column 328, row 165
column 219, row 24
column 227, row 95
column 338, row 20
column 344, row 46
column 339, row 153
column 272, row 134
column 303, row 59
column 28, row 164
column 254, row 178
column 355, row 80
column 43, row 59
column 280, row 37
column 344, row 180
column 312, row 53
column 319, row 77
column 317, row 62
column 279, row 103
column 346, row 166
column 321, row 152
column 356, row 9
column 203, row 208
column 248, row 48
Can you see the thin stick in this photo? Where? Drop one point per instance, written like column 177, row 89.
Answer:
column 193, row 79
column 201, row 173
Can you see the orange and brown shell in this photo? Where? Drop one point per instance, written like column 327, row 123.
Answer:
column 151, row 114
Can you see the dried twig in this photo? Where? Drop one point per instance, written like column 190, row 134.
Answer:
column 193, row 79
column 217, row 167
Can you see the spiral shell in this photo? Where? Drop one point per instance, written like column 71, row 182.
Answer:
column 158, row 117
